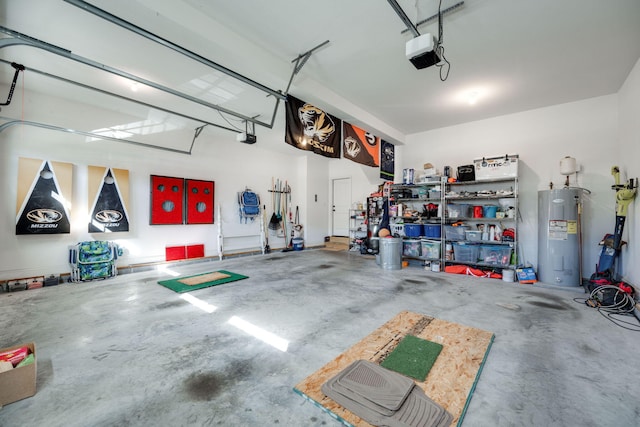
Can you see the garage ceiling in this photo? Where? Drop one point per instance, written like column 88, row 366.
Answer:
column 507, row 56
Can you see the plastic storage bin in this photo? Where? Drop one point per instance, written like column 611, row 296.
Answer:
column 430, row 249
column 495, row 255
column 413, row 230
column 490, row 211
column 412, row 248
column 473, row 235
column 396, row 229
column 455, row 233
column 458, row 210
column 433, row 231
column 465, row 253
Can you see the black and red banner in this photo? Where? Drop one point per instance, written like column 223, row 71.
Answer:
column 311, row 129
column 360, row 146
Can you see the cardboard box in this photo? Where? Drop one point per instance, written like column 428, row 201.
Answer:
column 526, row 275
column 18, row 383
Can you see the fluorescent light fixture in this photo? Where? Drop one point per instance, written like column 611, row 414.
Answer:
column 202, row 305
column 265, row 336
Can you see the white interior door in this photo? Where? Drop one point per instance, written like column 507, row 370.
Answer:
column 340, row 207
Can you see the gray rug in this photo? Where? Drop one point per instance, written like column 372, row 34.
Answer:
column 383, row 397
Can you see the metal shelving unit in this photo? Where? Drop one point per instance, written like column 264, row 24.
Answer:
column 415, row 214
column 357, row 228
column 488, row 239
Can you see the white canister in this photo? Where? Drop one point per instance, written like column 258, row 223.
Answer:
column 435, row 266
column 508, row 275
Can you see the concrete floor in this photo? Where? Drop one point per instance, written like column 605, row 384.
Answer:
column 129, row 352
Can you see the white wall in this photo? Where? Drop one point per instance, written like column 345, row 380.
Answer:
column 586, row 130
column 629, row 155
column 217, row 156
column 364, row 179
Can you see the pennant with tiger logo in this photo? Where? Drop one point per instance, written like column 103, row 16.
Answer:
column 360, row 146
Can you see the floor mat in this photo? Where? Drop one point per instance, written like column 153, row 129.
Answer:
column 450, row 382
column 413, row 357
column 385, row 389
column 384, row 397
column 199, row 281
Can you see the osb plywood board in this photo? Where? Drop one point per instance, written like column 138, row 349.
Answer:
column 450, row 382
column 203, row 278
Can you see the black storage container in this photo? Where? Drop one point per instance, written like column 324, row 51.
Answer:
column 466, row 173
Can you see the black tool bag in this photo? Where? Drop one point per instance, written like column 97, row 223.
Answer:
column 466, row 173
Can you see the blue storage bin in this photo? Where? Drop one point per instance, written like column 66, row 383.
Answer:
column 413, row 230
column 433, row 231
column 490, row 211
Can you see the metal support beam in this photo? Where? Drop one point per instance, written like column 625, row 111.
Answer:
column 23, row 39
column 299, row 63
column 13, row 122
column 115, row 95
column 166, row 43
column 403, row 16
column 434, row 17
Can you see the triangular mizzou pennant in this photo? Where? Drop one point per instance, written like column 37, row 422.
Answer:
column 311, row 129
column 109, row 192
column 44, row 197
column 387, row 160
column 360, row 146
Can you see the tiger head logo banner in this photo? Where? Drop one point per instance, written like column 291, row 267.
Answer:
column 360, row 146
column 311, row 129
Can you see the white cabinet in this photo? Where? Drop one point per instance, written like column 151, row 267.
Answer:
column 480, row 223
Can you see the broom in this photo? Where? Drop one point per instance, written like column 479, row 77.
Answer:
column 267, row 249
column 274, row 223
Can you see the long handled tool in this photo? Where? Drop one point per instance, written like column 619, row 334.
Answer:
column 267, row 249
column 274, row 223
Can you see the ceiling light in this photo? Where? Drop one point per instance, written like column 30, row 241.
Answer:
column 472, row 98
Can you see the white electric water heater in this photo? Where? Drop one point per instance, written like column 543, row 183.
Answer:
column 559, row 242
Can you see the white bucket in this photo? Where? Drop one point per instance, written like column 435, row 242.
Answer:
column 298, row 243
column 508, row 275
column 435, row 266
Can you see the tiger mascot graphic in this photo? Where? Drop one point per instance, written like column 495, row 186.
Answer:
column 316, row 124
